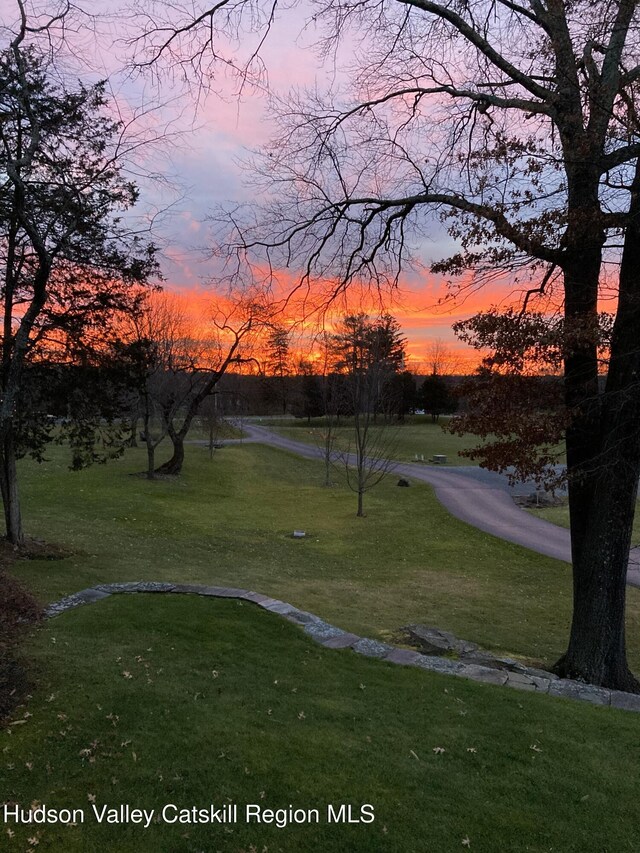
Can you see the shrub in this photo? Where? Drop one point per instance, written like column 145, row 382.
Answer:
column 18, row 611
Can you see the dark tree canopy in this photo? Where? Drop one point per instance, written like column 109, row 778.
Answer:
column 277, row 368
column 71, row 267
column 437, row 397
column 402, row 394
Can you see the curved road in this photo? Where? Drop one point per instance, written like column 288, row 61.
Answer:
column 485, row 504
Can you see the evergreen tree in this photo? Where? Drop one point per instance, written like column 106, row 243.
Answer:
column 70, row 266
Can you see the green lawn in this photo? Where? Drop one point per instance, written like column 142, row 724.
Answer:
column 419, row 436
column 147, row 700
column 199, row 431
column 229, row 520
column 154, row 700
column 560, row 515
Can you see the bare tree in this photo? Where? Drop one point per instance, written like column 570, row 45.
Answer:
column 328, row 433
column 370, row 457
column 331, row 403
column 211, row 416
column 367, row 352
column 157, row 347
column 182, row 364
column 440, row 359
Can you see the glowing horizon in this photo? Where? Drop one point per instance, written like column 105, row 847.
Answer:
column 424, row 314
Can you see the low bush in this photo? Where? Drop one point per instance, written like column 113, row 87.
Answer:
column 19, row 610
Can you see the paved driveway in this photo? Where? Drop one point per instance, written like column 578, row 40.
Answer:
column 478, row 497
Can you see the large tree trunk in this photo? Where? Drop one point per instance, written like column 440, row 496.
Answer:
column 173, row 466
column 596, row 651
column 9, row 487
column 603, row 459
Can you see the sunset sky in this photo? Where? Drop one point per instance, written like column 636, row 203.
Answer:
column 209, row 167
column 204, row 162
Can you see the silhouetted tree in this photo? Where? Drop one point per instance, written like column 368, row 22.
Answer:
column 70, row 266
column 436, row 397
column 368, row 353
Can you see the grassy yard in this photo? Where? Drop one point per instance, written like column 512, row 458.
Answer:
column 186, row 701
column 229, row 520
column 148, row 700
column 560, row 515
column 419, row 436
column 199, row 431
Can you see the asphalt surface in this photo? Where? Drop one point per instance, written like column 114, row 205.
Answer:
column 480, row 498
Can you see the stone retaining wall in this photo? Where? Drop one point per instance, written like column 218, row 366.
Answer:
column 520, row 677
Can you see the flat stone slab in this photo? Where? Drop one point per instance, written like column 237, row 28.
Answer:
column 477, row 663
column 482, row 658
column 372, row 648
column 445, row 666
column 188, row 588
column 268, row 602
column 625, row 701
column 525, row 681
column 115, row 588
column 301, row 617
column 256, row 597
column 222, row 591
column 322, row 631
column 484, row 674
column 55, row 609
column 541, row 673
column 433, row 641
column 403, row 656
column 281, row 607
column 86, row 596
column 577, row 690
column 341, row 641
column 155, row 586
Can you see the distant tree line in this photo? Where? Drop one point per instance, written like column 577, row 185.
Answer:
column 305, row 388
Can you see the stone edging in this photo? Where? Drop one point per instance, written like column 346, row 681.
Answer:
column 520, row 676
